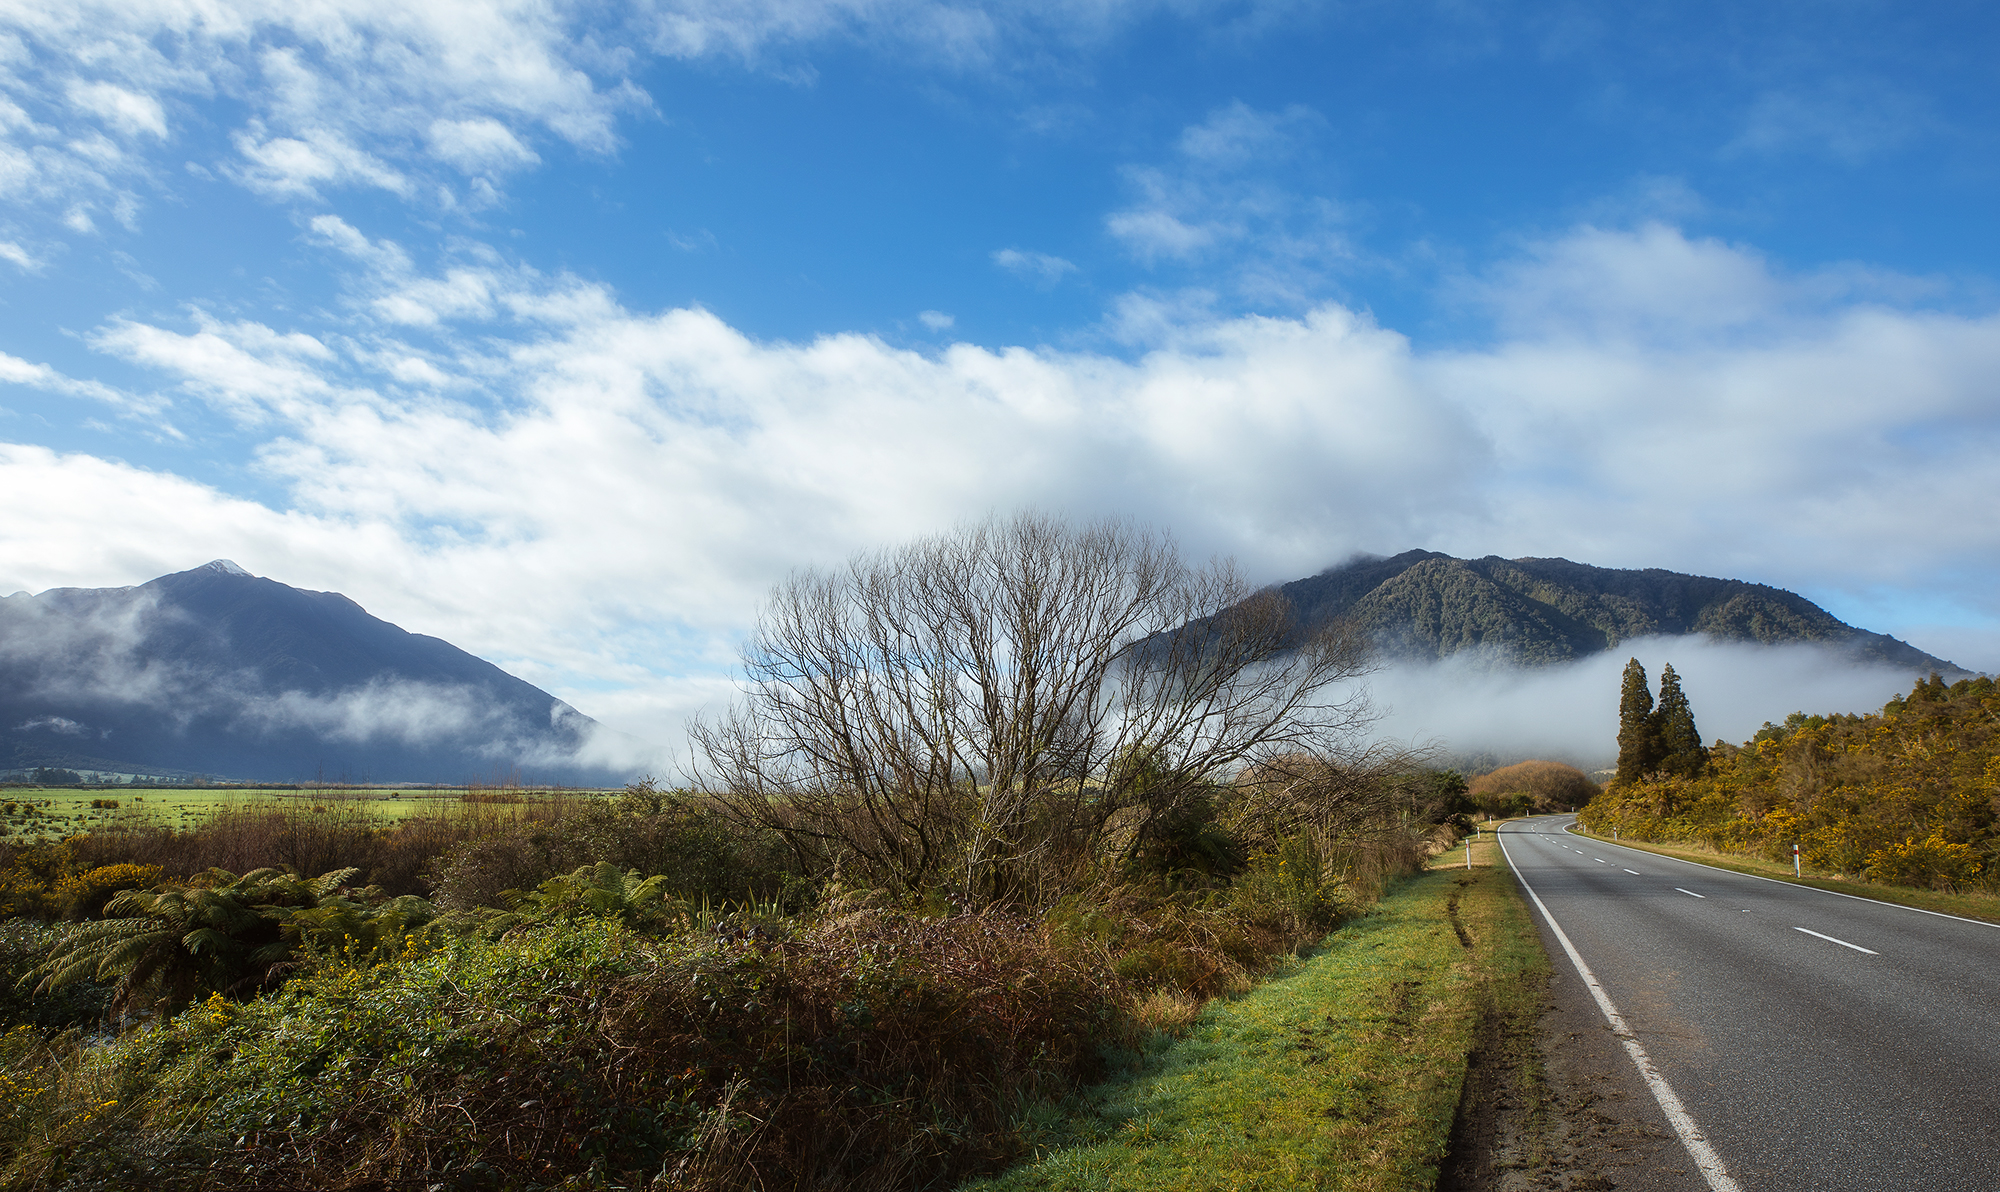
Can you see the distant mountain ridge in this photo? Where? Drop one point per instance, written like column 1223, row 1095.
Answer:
column 216, row 671
column 1533, row 612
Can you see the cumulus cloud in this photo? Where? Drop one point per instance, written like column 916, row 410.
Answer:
column 597, row 497
column 1736, row 414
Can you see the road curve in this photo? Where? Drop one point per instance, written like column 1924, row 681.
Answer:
column 1810, row 1040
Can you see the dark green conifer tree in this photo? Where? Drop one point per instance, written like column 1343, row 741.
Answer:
column 1638, row 736
column 1679, row 742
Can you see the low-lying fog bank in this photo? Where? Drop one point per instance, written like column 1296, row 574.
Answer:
column 1470, row 705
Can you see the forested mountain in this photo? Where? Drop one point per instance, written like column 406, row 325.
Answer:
column 1423, row 604
column 215, row 671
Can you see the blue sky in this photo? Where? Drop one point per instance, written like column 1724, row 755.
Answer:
column 563, row 330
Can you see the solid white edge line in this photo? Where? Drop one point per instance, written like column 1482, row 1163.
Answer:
column 1781, row 882
column 1704, row 1155
column 1843, row 943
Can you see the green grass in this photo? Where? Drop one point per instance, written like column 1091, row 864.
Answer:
column 1343, row 1073
column 1971, row 904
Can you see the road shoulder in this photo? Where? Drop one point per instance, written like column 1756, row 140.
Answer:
column 1552, row 1101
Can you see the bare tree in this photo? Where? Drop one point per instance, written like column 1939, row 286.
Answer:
column 999, row 708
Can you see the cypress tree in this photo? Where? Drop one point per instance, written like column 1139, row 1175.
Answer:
column 1638, row 736
column 1678, row 740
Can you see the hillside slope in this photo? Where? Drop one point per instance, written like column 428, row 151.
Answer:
column 1423, row 604
column 216, row 671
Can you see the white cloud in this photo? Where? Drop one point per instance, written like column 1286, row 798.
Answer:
column 297, row 167
column 55, row 724
column 336, row 93
column 331, row 94
column 1040, row 267
column 936, row 320
column 1217, row 205
column 597, row 497
column 16, row 371
column 126, row 111
column 244, row 368
column 948, row 35
column 483, row 145
column 1648, row 284
column 1153, row 232
column 1238, row 135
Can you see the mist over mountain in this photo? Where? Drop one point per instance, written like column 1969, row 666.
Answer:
column 218, row 672
column 1427, row 606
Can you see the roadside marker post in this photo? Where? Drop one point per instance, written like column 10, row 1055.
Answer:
column 1468, row 848
column 1795, row 860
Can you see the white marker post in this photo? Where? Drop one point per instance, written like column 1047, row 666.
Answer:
column 1795, row 860
column 1468, row 848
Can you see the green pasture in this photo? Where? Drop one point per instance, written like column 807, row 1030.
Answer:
column 56, row 812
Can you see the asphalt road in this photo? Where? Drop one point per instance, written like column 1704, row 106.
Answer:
column 1802, row 1061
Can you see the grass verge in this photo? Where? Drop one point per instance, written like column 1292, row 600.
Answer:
column 1345, row 1073
column 1969, row 905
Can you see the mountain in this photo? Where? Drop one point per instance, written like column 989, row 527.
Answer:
column 217, row 672
column 1426, row 605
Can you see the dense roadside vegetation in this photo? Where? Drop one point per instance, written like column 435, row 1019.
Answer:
column 996, row 808
column 684, row 1010
column 1345, row 1072
column 1907, row 796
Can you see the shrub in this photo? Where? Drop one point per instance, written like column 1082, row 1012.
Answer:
column 868, row 1050
column 30, row 877
column 168, row 945
column 83, row 895
column 1932, row 861
column 1532, row 786
column 24, row 944
column 667, row 835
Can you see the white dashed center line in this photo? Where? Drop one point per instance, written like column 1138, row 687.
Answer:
column 1843, row 943
column 1635, row 873
column 1691, row 893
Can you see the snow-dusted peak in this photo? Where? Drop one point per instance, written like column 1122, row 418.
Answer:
column 227, row 568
